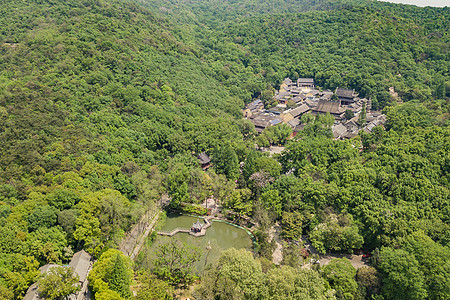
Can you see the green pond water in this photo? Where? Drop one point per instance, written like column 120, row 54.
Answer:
column 220, row 235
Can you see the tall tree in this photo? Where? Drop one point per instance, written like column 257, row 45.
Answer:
column 236, row 276
column 226, row 161
column 362, row 116
column 120, row 279
column 108, row 273
column 369, row 281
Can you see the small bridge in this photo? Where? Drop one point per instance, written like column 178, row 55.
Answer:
column 187, row 230
column 173, row 232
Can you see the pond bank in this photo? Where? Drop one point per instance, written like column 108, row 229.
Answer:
column 208, row 220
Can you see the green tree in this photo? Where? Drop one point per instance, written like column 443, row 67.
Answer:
column 401, row 275
column 240, row 201
column 290, row 104
column 66, row 219
column 291, row 223
column 318, row 126
column 236, row 276
column 263, row 246
column 369, row 281
column 289, row 283
column 151, row 288
column 103, row 271
column 277, row 134
column 408, row 115
column 21, row 273
column 348, row 114
column 42, row 216
column 5, row 293
column 362, row 118
column 174, row 262
column 292, row 256
column 433, row 263
column 271, row 200
column 340, row 273
column 119, row 279
column 58, row 283
column 336, row 233
column 226, row 162
column 440, row 91
column 267, row 164
column 62, row 199
column 177, row 179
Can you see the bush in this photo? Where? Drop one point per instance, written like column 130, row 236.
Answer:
column 195, row 210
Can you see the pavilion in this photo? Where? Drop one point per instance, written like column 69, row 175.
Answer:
column 197, row 227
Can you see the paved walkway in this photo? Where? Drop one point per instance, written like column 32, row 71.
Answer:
column 133, row 241
column 274, row 149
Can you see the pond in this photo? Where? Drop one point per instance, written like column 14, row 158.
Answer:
column 220, row 236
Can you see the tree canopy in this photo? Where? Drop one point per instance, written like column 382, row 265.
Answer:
column 106, row 104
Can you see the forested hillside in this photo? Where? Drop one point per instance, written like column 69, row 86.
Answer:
column 369, row 46
column 105, row 105
column 94, row 95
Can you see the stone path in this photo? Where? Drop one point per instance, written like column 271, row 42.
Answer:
column 132, row 243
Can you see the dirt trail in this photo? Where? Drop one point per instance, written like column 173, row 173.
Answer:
column 274, row 234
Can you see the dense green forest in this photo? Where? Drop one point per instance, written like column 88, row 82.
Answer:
column 105, row 104
column 369, row 46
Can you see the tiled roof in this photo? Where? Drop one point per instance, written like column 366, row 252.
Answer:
column 338, row 130
column 345, row 93
column 305, row 81
column 32, row 293
column 197, row 225
column 204, row 158
column 80, row 264
column 299, row 110
column 293, row 123
column 333, row 107
column 275, row 122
